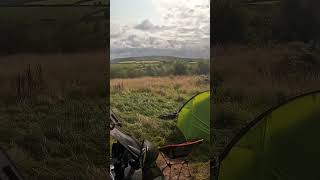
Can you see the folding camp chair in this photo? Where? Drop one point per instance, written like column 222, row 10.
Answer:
column 178, row 152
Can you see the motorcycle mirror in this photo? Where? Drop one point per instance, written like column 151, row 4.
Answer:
column 114, row 120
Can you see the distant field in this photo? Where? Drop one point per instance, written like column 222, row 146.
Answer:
column 138, row 62
column 133, row 68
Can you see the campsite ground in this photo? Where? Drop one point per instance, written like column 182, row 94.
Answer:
column 250, row 80
column 51, row 114
column 139, row 102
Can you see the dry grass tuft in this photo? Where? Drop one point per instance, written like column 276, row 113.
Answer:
column 156, row 84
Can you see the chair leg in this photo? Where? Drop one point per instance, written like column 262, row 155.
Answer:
column 170, row 173
column 168, row 165
column 180, row 170
column 188, row 170
column 182, row 164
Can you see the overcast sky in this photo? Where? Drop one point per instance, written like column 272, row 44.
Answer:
column 160, row 27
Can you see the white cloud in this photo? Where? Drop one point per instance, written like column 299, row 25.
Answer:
column 146, row 25
column 184, row 27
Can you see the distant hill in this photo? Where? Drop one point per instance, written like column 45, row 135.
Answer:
column 155, row 58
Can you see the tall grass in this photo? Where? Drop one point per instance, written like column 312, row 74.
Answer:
column 51, row 118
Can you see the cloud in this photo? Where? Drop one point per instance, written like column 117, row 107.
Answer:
column 116, row 30
column 184, row 29
column 146, row 25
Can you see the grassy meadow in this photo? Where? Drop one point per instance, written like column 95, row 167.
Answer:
column 139, row 101
column 52, row 120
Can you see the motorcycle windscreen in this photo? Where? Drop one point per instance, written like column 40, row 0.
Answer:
column 282, row 145
column 128, row 142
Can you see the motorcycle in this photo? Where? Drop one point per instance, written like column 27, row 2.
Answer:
column 130, row 159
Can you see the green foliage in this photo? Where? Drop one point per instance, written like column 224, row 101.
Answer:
column 203, row 68
column 180, row 68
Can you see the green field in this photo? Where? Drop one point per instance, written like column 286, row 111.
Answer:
column 138, row 62
column 139, row 68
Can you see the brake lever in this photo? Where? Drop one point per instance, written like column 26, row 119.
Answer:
column 141, row 153
column 134, row 165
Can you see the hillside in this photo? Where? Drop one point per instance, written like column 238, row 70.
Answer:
column 157, row 66
column 154, row 58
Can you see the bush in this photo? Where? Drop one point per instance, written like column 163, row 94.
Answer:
column 203, row 68
column 180, row 68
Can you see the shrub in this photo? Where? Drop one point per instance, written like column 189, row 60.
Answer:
column 180, row 68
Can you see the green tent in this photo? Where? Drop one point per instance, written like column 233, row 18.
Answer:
column 194, row 117
column 281, row 144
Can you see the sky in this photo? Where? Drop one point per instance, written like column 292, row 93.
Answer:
column 178, row 28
